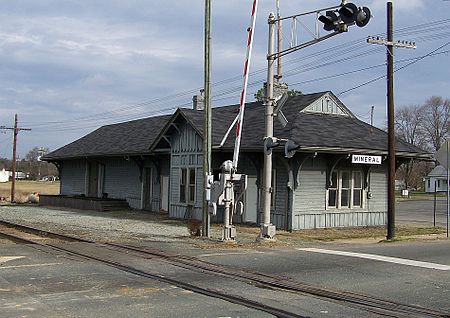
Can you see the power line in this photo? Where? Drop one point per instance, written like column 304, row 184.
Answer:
column 384, row 76
column 223, row 96
column 343, row 49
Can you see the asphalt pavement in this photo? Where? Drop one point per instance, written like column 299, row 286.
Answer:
column 35, row 282
column 421, row 212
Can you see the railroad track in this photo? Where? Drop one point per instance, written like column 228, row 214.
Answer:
column 364, row 302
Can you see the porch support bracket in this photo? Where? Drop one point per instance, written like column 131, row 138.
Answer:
column 139, row 161
column 367, row 170
column 330, row 170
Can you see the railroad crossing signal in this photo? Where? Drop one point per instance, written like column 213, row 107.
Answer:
column 349, row 14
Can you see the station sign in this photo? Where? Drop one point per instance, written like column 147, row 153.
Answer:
column 368, row 160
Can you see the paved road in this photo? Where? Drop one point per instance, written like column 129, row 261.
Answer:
column 421, row 212
column 38, row 283
column 399, row 278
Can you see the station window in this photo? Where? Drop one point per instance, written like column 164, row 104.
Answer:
column 346, row 190
column 187, row 185
column 183, row 178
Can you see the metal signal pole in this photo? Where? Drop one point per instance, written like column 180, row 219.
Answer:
column 267, row 229
column 15, row 130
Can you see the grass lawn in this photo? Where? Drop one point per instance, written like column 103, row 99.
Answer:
column 25, row 187
column 416, row 195
column 377, row 234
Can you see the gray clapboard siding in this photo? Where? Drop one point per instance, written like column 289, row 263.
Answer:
column 310, row 193
column 186, row 152
column 122, row 181
column 378, row 187
column 74, row 174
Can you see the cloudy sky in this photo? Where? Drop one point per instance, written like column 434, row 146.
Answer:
column 70, row 66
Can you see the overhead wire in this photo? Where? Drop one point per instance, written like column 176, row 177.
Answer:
column 158, row 103
column 395, row 70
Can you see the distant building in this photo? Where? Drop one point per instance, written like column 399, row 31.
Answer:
column 4, row 175
column 436, row 180
column 19, row 175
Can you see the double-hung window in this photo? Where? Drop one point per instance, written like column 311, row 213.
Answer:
column 345, row 191
column 187, row 185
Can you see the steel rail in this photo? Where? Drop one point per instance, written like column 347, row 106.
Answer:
column 235, row 299
column 368, row 303
column 373, row 304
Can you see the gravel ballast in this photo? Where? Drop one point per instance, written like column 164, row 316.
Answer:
column 100, row 226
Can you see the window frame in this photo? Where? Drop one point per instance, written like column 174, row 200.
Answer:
column 351, row 189
column 186, row 188
column 182, row 185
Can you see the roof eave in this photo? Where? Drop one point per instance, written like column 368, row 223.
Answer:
column 425, row 156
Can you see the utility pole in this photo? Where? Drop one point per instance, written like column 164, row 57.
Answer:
column 280, row 42
column 15, row 130
column 390, row 44
column 207, row 120
column 371, row 115
column 391, row 120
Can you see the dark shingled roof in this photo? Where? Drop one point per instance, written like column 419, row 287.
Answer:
column 311, row 131
column 133, row 137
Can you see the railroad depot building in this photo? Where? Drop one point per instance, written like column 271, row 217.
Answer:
column 155, row 164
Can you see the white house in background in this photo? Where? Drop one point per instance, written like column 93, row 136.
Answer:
column 436, row 180
column 4, row 175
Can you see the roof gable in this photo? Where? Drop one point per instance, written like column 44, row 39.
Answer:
column 438, row 171
column 328, row 104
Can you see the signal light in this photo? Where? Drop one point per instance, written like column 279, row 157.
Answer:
column 290, row 148
column 269, row 143
column 349, row 14
column 363, row 17
column 329, row 20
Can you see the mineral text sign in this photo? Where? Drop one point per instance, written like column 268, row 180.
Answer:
column 368, row 160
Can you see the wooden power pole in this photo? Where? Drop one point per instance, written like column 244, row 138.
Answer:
column 15, row 130
column 390, row 44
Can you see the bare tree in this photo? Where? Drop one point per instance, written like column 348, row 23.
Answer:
column 425, row 126
column 436, row 112
column 36, row 168
column 408, row 126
